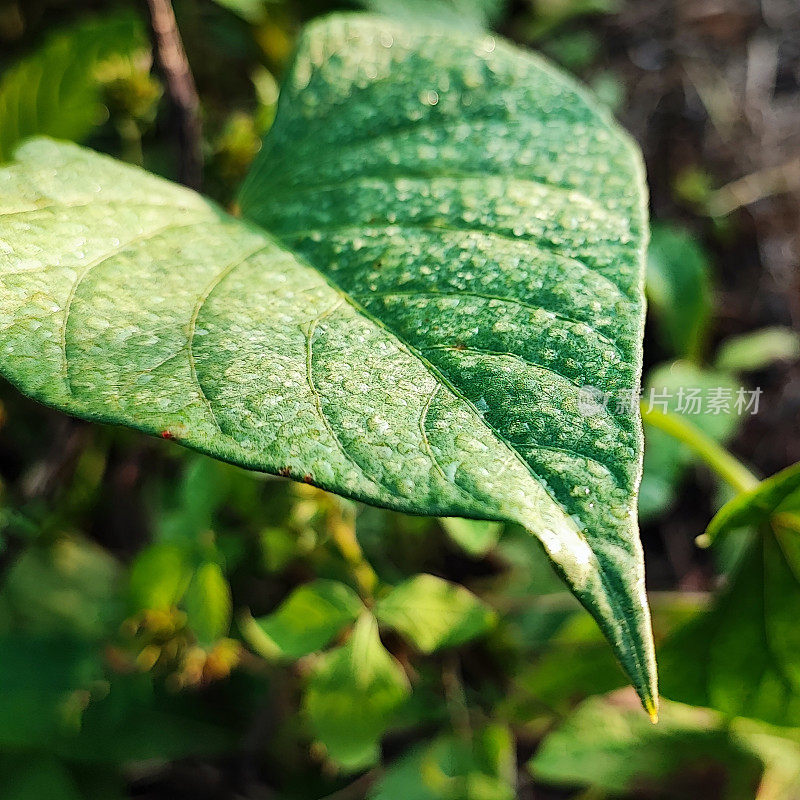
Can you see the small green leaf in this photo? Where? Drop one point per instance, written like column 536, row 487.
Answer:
column 608, row 746
column 208, row 603
column 55, row 91
column 252, row 11
column 353, row 694
column 774, row 501
column 758, row 350
column 432, row 613
column 450, row 767
column 159, row 577
column 306, row 621
column 741, row 657
column 444, row 242
column 679, row 290
column 476, row 536
column 200, row 493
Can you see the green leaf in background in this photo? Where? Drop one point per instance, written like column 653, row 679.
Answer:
column 56, row 91
column 779, row 750
column 82, row 597
column 458, row 249
column 475, row 536
column 207, row 603
column 252, row 11
column 687, row 390
column 200, row 493
column 353, row 694
column 39, row 778
column 549, row 15
column 159, row 577
column 575, row 665
column 451, row 767
column 775, row 501
column 679, row 290
column 469, row 14
column 306, row 621
column 741, row 657
column 757, row 350
column 606, row 745
column 432, row 613
column 39, row 675
column 137, row 722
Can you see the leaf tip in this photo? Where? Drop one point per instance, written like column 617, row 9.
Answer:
column 703, row 541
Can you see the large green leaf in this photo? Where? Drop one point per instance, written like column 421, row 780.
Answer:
column 56, row 91
column 742, row 656
column 456, row 247
column 605, row 745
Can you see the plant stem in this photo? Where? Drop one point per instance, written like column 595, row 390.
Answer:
column 456, row 698
column 181, row 90
column 342, row 528
column 727, row 466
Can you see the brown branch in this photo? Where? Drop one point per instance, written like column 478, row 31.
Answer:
column 181, row 90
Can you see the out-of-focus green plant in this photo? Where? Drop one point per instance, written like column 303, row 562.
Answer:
column 679, row 291
column 58, row 90
column 714, row 398
column 231, row 328
column 277, row 635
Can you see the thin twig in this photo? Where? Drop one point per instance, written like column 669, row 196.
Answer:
column 723, row 463
column 756, row 186
column 181, row 90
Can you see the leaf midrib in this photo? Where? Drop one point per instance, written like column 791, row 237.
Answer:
column 439, row 174
column 542, row 243
column 449, row 294
column 446, row 126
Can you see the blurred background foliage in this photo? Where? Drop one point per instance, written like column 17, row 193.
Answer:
column 174, row 627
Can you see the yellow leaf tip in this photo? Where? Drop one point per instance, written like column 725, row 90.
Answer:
column 703, row 540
